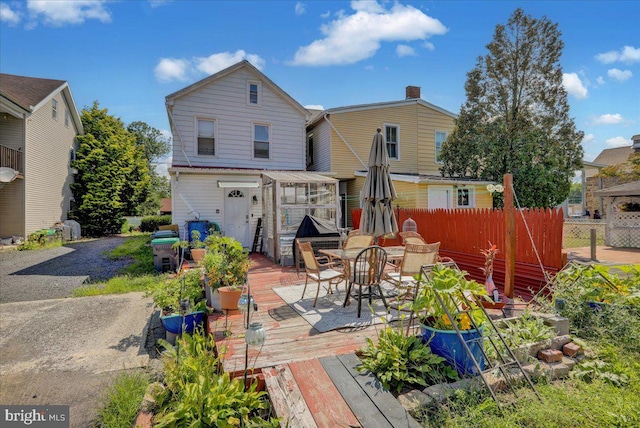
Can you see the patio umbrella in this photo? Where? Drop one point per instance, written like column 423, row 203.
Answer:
column 377, row 195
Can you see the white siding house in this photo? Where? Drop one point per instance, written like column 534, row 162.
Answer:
column 227, row 129
column 38, row 125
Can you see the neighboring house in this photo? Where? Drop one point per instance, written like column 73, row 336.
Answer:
column 227, row 130
column 593, row 182
column 38, row 126
column 165, row 207
column 339, row 140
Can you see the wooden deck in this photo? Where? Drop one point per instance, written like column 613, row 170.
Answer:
column 310, row 376
column 289, row 337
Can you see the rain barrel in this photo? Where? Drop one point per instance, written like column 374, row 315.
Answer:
column 201, row 226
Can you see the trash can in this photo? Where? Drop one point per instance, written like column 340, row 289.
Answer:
column 164, row 256
column 201, row 226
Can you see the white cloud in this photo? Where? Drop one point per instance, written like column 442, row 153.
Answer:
column 627, row 54
column 600, row 80
column 404, row 50
column 158, row 3
column 169, row 69
column 588, row 138
column 618, row 142
column 8, row 15
column 62, row 12
column 429, row 46
column 220, row 61
column 619, row 75
column 325, row 15
column 301, row 9
column 352, row 38
column 314, row 107
column 573, row 85
column 608, row 119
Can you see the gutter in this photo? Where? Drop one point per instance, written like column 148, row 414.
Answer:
column 325, row 117
column 173, row 122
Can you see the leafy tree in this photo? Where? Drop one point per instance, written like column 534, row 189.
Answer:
column 516, row 116
column 112, row 175
column 154, row 145
column 575, row 194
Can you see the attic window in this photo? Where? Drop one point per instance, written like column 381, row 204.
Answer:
column 54, row 109
column 253, row 93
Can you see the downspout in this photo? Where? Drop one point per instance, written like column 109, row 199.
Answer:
column 345, row 141
column 173, row 122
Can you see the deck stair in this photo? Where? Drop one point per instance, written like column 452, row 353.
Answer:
column 329, row 392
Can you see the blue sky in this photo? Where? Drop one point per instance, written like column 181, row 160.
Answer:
column 129, row 55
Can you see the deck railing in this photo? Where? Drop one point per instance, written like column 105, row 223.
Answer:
column 11, row 158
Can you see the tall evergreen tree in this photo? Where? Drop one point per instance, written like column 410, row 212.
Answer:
column 516, row 116
column 112, row 175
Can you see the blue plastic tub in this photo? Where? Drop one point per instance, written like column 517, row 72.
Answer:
column 447, row 344
column 174, row 323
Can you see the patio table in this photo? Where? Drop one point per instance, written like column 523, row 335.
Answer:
column 394, row 253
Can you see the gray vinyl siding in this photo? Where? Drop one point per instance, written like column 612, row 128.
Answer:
column 12, row 132
column 47, row 174
column 322, row 147
column 12, row 194
column 225, row 100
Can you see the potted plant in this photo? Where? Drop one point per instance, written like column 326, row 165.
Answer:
column 226, row 266
column 459, row 308
column 181, row 302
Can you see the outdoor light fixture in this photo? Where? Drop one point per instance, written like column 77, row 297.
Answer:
column 245, row 303
column 255, row 334
column 495, row 188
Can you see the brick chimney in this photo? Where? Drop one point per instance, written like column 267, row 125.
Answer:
column 413, row 92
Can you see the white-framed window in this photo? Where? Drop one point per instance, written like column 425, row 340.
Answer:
column 54, row 109
column 206, row 131
column 67, row 118
column 261, row 140
column 465, row 197
column 254, row 91
column 441, row 137
column 392, row 138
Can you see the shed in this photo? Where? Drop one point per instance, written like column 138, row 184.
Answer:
column 289, row 196
column 623, row 225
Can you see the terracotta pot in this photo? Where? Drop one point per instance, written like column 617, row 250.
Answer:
column 197, row 254
column 229, row 297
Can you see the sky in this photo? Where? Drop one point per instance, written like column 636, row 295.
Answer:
column 129, row 55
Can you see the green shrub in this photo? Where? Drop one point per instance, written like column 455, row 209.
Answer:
column 198, row 394
column 151, row 223
column 399, row 361
column 186, row 286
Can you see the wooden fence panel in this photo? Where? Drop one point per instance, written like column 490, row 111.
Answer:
column 468, row 231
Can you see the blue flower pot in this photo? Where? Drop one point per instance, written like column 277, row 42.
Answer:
column 174, row 323
column 447, row 344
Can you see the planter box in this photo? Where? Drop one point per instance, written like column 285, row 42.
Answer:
column 447, row 344
column 254, row 375
column 175, row 323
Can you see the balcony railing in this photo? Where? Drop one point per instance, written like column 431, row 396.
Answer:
column 11, row 158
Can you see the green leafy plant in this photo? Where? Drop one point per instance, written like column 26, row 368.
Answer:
column 398, row 361
column 451, row 284
column 198, row 393
column 587, row 371
column 226, row 263
column 121, row 402
column 186, row 286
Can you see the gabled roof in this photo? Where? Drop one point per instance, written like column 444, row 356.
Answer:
column 386, row 104
column 229, row 70
column 614, row 156
column 627, row 189
column 29, row 93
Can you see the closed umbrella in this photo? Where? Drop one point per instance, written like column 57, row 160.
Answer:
column 377, row 195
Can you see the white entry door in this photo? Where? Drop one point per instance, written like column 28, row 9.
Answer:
column 236, row 215
column 440, row 197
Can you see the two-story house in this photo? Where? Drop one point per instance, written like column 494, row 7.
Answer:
column 339, row 140
column 38, row 126
column 239, row 156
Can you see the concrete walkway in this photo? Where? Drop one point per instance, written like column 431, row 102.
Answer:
column 67, row 351
column 605, row 255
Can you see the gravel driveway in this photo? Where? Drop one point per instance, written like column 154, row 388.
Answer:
column 53, row 273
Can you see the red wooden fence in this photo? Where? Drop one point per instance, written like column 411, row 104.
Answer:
column 463, row 233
